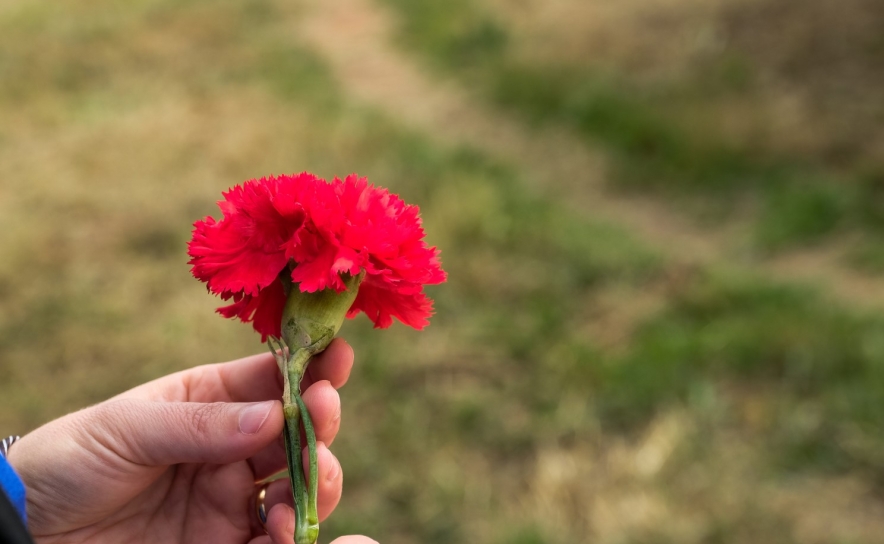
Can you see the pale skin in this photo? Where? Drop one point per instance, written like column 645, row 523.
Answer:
column 176, row 460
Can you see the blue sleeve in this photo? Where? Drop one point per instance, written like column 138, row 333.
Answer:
column 13, row 487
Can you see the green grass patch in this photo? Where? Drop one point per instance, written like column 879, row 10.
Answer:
column 821, row 366
column 798, row 202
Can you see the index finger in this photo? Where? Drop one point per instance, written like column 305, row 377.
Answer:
column 258, row 378
column 250, row 379
column 334, row 364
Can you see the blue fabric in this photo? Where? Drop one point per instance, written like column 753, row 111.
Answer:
column 13, row 487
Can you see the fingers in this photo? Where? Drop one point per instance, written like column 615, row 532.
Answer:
column 330, row 484
column 231, row 381
column 270, row 460
column 281, row 526
column 250, row 379
column 354, row 539
column 331, row 480
column 334, row 364
column 288, row 538
column 167, row 433
column 324, row 405
column 258, row 377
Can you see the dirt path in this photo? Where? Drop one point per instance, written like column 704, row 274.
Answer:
column 355, row 37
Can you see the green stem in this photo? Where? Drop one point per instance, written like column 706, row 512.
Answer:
column 307, row 520
column 309, row 323
column 291, row 432
column 313, row 486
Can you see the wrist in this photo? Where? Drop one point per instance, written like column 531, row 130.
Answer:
column 10, row 453
column 7, row 443
column 10, row 481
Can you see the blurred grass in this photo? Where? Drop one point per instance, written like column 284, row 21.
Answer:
column 666, row 136
column 575, row 385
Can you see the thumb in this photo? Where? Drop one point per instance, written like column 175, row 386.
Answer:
column 166, row 433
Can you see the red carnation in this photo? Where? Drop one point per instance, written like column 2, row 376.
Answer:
column 295, row 255
column 314, row 231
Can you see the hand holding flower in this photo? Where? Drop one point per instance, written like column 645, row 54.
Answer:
column 176, row 460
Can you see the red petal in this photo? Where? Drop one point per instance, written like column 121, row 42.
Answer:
column 243, row 252
column 264, row 311
column 224, row 258
column 316, row 273
column 381, row 305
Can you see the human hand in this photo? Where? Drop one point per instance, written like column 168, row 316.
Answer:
column 176, row 460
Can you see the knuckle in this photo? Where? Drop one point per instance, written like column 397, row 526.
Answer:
column 204, row 416
column 111, row 425
column 113, row 413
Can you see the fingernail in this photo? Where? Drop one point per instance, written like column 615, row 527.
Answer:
column 333, row 472
column 335, row 469
column 290, row 519
column 252, row 417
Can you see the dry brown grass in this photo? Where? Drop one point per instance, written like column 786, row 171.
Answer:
column 808, row 73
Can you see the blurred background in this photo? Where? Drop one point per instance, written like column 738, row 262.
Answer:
column 662, row 221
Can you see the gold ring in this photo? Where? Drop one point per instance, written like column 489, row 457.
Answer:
column 260, row 507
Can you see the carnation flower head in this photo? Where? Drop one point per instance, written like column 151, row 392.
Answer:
column 304, row 229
